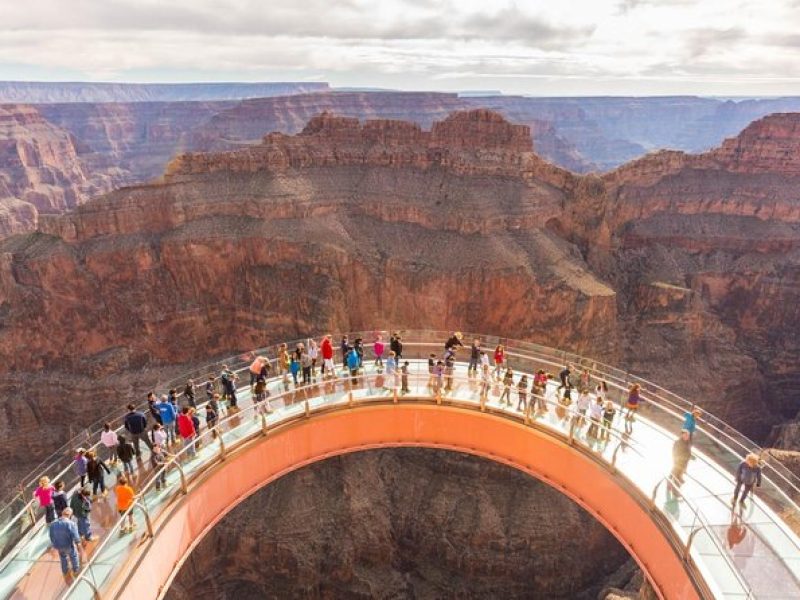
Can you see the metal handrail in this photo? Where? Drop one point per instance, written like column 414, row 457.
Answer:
column 174, row 461
column 527, row 351
column 744, row 445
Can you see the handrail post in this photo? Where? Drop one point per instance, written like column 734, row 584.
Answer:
column 697, row 529
column 438, row 397
column 483, row 403
column 184, row 489
column 655, row 490
column 307, row 409
column 614, row 457
column 395, row 395
column 148, row 523
column 572, row 430
column 90, row 583
column 350, row 398
column 263, row 424
column 222, row 451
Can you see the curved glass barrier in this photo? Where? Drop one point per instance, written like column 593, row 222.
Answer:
column 699, row 519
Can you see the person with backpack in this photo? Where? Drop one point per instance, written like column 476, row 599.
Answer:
column 81, row 505
column 135, row 424
column 59, row 498
column 125, row 453
column 94, row 471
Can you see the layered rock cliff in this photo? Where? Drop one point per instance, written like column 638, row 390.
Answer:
column 40, row 170
column 403, row 523
column 352, row 225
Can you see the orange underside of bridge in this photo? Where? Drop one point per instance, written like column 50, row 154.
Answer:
column 586, row 481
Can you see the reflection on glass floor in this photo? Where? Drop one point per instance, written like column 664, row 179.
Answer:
column 741, row 555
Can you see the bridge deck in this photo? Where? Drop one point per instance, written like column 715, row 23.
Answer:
column 763, row 563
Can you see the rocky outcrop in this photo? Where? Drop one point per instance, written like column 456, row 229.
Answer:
column 40, row 170
column 403, row 523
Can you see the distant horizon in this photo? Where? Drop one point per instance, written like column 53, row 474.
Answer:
column 588, row 48
column 476, row 93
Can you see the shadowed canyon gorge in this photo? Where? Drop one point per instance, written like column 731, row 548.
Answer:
column 680, row 267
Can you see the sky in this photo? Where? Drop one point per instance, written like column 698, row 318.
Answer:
column 543, row 48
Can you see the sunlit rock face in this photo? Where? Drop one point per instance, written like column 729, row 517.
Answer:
column 403, row 523
column 682, row 268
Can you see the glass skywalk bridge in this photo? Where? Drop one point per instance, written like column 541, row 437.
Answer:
column 698, row 520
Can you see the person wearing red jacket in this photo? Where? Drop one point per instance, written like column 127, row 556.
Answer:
column 326, row 347
column 186, row 430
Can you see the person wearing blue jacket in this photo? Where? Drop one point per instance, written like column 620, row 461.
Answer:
column 748, row 474
column 166, row 410
column 353, row 362
column 65, row 539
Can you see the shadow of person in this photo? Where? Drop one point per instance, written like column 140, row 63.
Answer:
column 737, row 530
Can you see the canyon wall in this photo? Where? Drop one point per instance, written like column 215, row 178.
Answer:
column 117, row 143
column 351, row 225
column 403, row 523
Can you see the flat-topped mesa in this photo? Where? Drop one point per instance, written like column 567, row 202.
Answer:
column 769, row 145
column 468, row 142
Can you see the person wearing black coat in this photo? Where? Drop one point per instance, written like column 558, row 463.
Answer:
column 125, row 452
column 396, row 346
column 94, row 471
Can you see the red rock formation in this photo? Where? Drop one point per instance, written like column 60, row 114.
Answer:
column 40, row 170
column 350, row 225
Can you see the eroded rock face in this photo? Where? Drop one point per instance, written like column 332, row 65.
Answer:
column 352, row 225
column 403, row 523
column 40, row 171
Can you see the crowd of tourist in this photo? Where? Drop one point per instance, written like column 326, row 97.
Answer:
column 173, row 421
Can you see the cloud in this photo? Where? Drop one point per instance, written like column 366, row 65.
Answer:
column 410, row 43
column 708, row 40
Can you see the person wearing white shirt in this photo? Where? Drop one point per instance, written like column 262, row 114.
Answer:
column 595, row 417
column 109, row 441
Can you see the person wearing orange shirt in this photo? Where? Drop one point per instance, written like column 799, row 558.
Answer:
column 125, row 495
